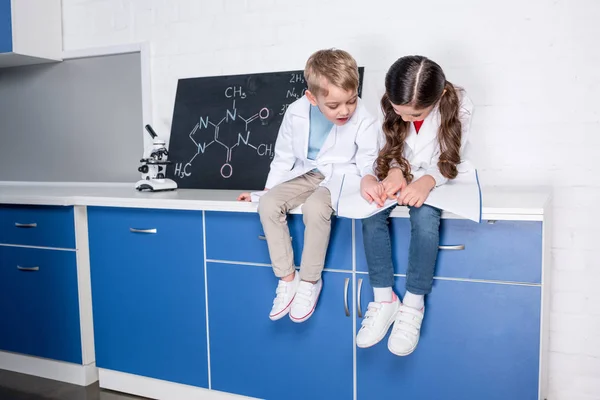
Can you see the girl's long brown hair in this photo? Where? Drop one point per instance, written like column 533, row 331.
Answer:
column 420, row 83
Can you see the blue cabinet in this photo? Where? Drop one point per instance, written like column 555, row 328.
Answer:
column 499, row 250
column 254, row 356
column 244, row 230
column 148, row 293
column 39, row 304
column 478, row 341
column 5, row 27
column 481, row 337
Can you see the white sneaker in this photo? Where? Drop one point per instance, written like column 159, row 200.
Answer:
column 284, row 295
column 378, row 319
column 406, row 332
column 305, row 301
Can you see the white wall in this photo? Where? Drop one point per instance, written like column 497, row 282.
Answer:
column 531, row 67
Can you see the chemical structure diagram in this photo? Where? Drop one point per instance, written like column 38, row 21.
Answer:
column 217, row 139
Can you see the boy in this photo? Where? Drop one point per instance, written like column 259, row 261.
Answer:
column 325, row 134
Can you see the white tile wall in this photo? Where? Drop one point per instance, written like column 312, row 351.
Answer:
column 531, row 67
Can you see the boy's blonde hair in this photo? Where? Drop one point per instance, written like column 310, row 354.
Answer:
column 338, row 67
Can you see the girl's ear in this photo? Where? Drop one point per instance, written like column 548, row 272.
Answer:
column 444, row 92
column 311, row 97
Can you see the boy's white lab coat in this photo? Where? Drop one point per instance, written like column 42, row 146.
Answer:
column 349, row 149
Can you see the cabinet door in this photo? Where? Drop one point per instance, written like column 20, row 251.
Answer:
column 5, row 27
column 254, row 356
column 39, row 303
column 478, row 341
column 148, row 293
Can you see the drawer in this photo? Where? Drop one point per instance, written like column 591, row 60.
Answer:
column 500, row 251
column 133, row 231
column 239, row 237
column 39, row 303
column 45, row 226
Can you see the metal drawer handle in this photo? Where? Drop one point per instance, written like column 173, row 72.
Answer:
column 456, row 247
column 36, row 268
column 19, row 225
column 263, row 237
column 346, row 283
column 134, row 230
column 358, row 305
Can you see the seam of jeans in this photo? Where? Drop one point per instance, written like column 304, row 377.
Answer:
column 411, row 258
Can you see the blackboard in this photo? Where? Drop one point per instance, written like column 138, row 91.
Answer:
column 224, row 128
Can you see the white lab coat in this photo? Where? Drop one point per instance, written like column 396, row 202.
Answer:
column 422, row 151
column 349, row 149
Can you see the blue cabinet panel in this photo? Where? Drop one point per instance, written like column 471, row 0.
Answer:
column 46, row 226
column 254, row 356
column 503, row 251
column 5, row 27
column 478, row 341
column 237, row 237
column 39, row 303
column 148, row 293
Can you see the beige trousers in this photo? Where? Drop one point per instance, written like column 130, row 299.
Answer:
column 317, row 211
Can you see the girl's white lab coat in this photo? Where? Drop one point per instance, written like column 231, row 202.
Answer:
column 349, row 149
column 461, row 196
column 422, row 150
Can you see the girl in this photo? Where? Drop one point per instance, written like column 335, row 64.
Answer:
column 426, row 122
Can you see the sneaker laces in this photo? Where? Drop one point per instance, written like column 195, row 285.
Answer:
column 408, row 321
column 372, row 311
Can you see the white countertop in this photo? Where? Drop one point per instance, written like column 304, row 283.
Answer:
column 523, row 203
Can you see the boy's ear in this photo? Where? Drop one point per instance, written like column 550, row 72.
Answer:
column 311, row 97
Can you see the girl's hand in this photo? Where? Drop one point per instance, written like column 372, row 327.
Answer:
column 394, row 182
column 416, row 193
column 372, row 191
column 244, row 197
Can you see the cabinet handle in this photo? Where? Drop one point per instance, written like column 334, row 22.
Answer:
column 456, row 247
column 36, row 268
column 358, row 302
column 346, row 284
column 134, row 230
column 263, row 237
column 19, row 225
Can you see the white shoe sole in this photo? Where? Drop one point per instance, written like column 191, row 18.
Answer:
column 283, row 312
column 381, row 336
column 307, row 316
column 402, row 354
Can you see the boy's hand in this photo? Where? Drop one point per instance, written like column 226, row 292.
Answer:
column 416, row 193
column 394, row 182
column 372, row 191
column 244, row 197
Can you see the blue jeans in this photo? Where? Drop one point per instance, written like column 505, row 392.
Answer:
column 422, row 252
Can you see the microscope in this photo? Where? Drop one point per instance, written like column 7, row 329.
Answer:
column 154, row 167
